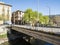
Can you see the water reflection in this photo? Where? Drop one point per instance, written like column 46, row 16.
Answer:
column 21, row 41
column 16, row 42
column 40, row 42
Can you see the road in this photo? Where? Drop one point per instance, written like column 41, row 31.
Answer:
column 44, row 29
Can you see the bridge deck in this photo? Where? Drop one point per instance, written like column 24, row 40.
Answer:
column 42, row 36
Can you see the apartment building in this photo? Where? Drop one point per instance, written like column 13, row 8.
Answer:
column 5, row 12
column 17, row 17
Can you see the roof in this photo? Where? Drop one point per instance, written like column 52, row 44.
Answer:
column 2, row 3
column 19, row 11
column 55, row 18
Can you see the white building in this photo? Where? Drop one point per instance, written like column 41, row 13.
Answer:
column 5, row 12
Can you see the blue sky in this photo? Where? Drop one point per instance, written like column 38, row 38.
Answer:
column 43, row 7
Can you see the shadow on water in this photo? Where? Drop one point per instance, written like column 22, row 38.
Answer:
column 20, row 41
column 40, row 42
column 13, row 40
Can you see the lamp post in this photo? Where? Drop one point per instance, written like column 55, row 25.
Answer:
column 49, row 13
column 38, row 11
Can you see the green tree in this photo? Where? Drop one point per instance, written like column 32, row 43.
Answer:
column 27, row 15
column 32, row 17
column 46, row 19
column 41, row 19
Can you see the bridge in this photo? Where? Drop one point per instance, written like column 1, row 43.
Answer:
column 51, row 35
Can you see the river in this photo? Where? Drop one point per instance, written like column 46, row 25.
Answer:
column 21, row 41
column 16, row 42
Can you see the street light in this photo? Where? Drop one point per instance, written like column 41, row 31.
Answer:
column 49, row 10
column 38, row 11
column 49, row 13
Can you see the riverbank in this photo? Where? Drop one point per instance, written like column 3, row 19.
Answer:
column 3, row 34
column 3, row 40
column 17, row 41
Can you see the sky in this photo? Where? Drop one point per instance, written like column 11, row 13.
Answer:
column 42, row 6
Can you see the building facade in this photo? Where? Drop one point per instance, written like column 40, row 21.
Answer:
column 5, row 12
column 55, row 19
column 17, row 17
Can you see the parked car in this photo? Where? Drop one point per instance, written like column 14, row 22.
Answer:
column 7, row 22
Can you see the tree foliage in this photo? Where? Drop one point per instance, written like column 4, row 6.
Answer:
column 46, row 19
column 32, row 17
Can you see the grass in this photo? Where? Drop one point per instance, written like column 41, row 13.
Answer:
column 3, row 36
column 5, row 43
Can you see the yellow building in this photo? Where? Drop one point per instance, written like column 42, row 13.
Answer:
column 5, row 12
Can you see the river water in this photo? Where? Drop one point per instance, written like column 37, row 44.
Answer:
column 21, row 41
column 16, row 42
